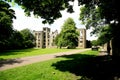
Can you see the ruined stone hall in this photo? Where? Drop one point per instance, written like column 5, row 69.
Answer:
column 45, row 38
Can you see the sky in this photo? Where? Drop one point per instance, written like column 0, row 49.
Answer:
column 32, row 23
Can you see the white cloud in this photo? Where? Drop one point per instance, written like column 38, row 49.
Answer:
column 33, row 23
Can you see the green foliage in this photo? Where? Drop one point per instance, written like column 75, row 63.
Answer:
column 27, row 34
column 90, row 17
column 94, row 42
column 68, row 36
column 105, row 35
column 16, row 40
column 49, row 10
column 28, row 38
column 10, row 38
column 57, row 38
column 6, row 20
column 98, row 13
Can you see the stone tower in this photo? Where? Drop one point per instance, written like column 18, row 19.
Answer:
column 46, row 37
column 38, row 38
column 42, row 38
column 82, row 38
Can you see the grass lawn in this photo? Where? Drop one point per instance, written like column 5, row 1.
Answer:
column 29, row 52
column 68, row 67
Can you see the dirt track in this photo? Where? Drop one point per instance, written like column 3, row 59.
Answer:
column 12, row 63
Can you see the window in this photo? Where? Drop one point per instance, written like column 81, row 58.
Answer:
column 43, row 43
column 44, row 29
column 48, row 36
column 81, row 41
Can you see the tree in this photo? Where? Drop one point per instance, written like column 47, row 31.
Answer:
column 49, row 10
column 91, row 18
column 6, row 20
column 16, row 40
column 56, row 40
column 68, row 35
column 94, row 43
column 28, row 38
column 105, row 35
column 98, row 14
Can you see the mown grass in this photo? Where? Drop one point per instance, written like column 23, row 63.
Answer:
column 55, row 69
column 29, row 52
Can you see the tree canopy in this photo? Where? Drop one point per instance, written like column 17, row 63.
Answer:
column 105, row 35
column 28, row 38
column 6, row 20
column 100, row 13
column 49, row 10
column 68, row 36
column 6, row 16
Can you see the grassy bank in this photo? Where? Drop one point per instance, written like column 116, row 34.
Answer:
column 68, row 67
column 29, row 52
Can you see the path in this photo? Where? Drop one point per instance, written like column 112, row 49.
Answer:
column 8, row 64
column 103, row 52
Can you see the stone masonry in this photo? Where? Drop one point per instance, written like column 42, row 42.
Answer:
column 45, row 39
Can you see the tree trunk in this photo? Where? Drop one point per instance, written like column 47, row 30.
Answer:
column 116, row 41
column 116, row 46
column 108, row 47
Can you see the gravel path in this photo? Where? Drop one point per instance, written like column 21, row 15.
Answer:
column 12, row 63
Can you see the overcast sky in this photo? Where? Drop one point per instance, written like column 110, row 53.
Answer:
column 33, row 23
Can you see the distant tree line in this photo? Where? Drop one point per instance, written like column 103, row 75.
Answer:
column 18, row 40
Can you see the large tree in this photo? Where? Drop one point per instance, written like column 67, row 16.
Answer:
column 68, row 36
column 6, row 20
column 49, row 10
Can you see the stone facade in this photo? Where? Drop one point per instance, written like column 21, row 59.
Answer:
column 82, row 38
column 38, row 38
column 45, row 39
column 52, row 38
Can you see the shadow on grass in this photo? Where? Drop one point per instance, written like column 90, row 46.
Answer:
column 9, row 61
column 90, row 67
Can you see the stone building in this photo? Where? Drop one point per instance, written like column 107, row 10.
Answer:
column 42, row 38
column 82, row 38
column 52, row 38
column 45, row 39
